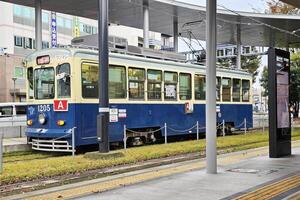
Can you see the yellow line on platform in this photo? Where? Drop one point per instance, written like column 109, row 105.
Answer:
column 149, row 175
column 274, row 189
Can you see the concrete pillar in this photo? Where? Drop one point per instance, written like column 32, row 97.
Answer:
column 175, row 33
column 38, row 25
column 238, row 47
column 146, row 23
column 210, row 107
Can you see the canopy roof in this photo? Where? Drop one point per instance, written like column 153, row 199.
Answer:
column 256, row 29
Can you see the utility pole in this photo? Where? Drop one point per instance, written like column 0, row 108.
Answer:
column 103, row 115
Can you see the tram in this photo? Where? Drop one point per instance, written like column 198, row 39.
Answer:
column 145, row 93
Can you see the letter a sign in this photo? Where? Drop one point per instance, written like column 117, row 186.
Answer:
column 60, row 105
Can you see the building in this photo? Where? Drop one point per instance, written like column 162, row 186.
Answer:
column 18, row 40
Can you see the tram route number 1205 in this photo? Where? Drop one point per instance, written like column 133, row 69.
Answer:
column 44, row 108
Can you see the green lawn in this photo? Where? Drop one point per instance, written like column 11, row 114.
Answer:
column 30, row 165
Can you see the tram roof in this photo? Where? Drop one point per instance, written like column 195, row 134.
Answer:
column 256, row 29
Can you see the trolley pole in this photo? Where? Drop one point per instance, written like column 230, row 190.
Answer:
column 103, row 116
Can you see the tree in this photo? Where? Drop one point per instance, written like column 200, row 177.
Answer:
column 278, row 7
column 294, row 82
column 249, row 63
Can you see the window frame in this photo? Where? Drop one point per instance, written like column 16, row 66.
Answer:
column 249, row 96
column 125, row 78
column 91, row 63
column 34, row 83
column 226, row 87
column 170, row 83
column 203, row 76
column 57, row 81
column 191, row 93
column 233, row 87
column 149, row 81
column 136, row 81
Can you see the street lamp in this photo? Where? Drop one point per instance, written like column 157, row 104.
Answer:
column 14, row 80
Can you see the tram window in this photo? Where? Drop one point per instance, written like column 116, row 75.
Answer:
column 226, row 89
column 245, row 90
column 236, row 90
column 185, row 92
column 89, row 82
column 30, row 82
column 136, row 83
column 44, row 83
column 199, row 87
column 117, row 82
column 154, row 84
column 218, row 87
column 63, row 81
column 20, row 110
column 171, row 79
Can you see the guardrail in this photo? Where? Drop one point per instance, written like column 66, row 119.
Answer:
column 243, row 126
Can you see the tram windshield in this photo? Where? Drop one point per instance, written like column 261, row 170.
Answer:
column 44, row 83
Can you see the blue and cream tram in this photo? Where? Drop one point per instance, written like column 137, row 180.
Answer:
column 145, row 93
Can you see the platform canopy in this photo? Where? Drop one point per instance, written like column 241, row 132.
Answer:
column 256, row 29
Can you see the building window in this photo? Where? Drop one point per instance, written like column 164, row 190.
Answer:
column 45, row 45
column 45, row 18
column 117, row 82
column 185, row 92
column 27, row 43
column 18, row 41
column 171, row 80
column 154, row 84
column 136, row 83
column 199, row 87
column 17, row 10
column 226, row 89
column 89, row 82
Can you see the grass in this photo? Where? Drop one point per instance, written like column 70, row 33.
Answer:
column 26, row 166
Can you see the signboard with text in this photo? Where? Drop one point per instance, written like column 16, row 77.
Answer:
column 279, row 103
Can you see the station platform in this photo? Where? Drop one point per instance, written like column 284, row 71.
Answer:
column 15, row 144
column 241, row 175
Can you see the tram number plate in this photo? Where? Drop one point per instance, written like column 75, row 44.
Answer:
column 44, row 108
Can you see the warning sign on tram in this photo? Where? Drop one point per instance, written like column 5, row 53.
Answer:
column 60, row 105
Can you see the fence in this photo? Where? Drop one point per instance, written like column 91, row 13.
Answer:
column 243, row 126
column 12, row 127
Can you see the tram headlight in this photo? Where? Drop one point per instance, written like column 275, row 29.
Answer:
column 60, row 122
column 42, row 118
column 29, row 122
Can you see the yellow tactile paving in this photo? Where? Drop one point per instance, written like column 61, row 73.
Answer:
column 146, row 176
column 273, row 190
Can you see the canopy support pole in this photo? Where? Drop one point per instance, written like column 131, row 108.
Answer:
column 38, row 25
column 146, row 23
column 211, row 42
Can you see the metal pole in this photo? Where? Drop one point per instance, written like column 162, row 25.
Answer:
column 223, row 127
column 238, row 47
column 146, row 23
column 14, row 80
column 211, row 37
column 38, row 25
column 263, row 122
column 166, row 141
column 103, row 116
column 73, row 141
column 245, row 125
column 124, row 137
column 1, row 153
column 197, row 130
column 175, row 31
